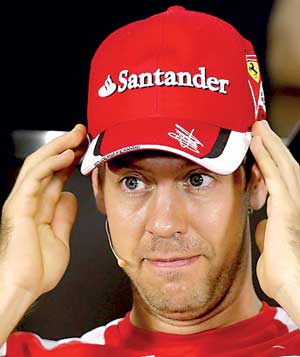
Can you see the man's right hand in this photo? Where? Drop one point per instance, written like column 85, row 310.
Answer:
column 37, row 220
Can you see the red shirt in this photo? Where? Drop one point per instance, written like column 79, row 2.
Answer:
column 270, row 333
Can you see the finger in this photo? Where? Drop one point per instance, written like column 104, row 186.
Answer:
column 288, row 166
column 64, row 217
column 271, row 141
column 25, row 199
column 66, row 173
column 71, row 140
column 260, row 234
column 281, row 201
column 50, row 196
column 53, row 188
column 54, row 240
column 267, row 166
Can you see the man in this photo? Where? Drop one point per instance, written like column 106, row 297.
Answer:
column 172, row 102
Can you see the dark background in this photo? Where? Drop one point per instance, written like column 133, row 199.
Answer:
column 47, row 49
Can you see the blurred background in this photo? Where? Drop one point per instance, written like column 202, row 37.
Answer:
column 47, row 49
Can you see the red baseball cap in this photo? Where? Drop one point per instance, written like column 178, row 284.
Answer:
column 180, row 81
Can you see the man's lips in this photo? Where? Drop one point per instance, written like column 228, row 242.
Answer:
column 172, row 262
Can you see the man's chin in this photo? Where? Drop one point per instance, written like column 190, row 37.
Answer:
column 181, row 312
column 172, row 303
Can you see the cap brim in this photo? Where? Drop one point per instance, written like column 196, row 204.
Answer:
column 217, row 149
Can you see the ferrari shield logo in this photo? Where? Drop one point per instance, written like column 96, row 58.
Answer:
column 253, row 70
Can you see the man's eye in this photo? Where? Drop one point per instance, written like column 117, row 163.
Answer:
column 132, row 184
column 199, row 180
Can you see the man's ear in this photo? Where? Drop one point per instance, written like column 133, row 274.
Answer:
column 257, row 188
column 97, row 183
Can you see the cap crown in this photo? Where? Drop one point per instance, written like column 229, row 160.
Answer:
column 176, row 64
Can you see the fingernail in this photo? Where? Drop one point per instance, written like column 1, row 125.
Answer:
column 76, row 127
column 64, row 152
column 265, row 123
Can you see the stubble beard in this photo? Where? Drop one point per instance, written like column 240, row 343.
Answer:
column 197, row 301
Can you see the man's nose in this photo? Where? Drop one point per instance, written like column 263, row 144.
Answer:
column 166, row 213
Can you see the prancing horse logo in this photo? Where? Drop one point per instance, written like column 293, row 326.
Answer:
column 253, row 70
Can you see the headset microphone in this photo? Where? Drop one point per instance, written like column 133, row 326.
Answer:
column 120, row 261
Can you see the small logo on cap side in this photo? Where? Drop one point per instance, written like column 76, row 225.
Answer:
column 252, row 67
column 108, row 88
column 186, row 139
column 253, row 70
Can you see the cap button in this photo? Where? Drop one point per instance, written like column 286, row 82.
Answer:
column 175, row 8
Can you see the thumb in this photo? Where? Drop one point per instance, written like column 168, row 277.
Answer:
column 260, row 234
column 64, row 216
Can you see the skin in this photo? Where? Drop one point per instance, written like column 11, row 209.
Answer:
column 38, row 216
column 166, row 216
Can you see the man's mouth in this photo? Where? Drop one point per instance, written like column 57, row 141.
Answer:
column 175, row 262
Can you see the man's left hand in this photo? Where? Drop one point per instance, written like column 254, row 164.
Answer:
column 278, row 236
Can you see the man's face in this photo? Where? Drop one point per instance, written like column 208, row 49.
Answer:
column 179, row 227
